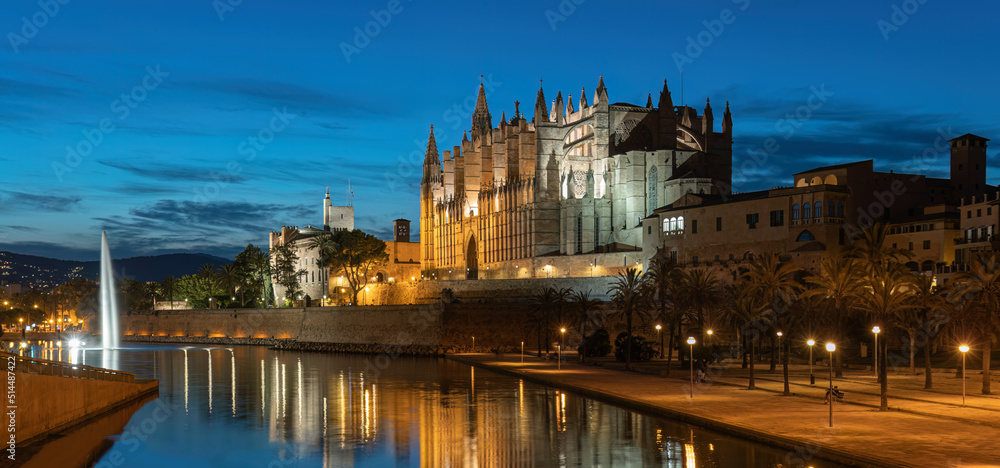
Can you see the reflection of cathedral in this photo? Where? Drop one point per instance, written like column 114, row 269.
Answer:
column 573, row 182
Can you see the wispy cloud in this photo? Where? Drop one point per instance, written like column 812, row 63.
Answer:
column 21, row 202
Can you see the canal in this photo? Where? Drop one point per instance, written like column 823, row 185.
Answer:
column 243, row 406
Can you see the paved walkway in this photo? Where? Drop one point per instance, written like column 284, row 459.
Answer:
column 924, row 428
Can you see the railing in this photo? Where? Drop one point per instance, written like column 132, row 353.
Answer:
column 29, row 365
column 974, row 239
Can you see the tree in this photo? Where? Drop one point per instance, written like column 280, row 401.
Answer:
column 887, row 294
column 630, row 296
column 774, row 281
column 168, row 285
column 286, row 275
column 982, row 283
column 588, row 313
column 918, row 319
column 542, row 305
column 699, row 292
column 748, row 314
column 663, row 276
column 325, row 245
column 355, row 255
column 231, row 278
column 209, row 274
column 838, row 281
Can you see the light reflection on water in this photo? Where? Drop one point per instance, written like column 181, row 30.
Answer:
column 251, row 407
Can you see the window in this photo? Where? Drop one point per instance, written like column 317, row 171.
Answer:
column 805, row 236
column 910, row 246
column 968, row 214
column 673, row 255
column 694, row 260
column 666, row 225
column 840, row 210
column 694, row 226
column 795, row 212
column 753, row 219
column 716, row 258
column 653, row 181
column 778, row 218
column 649, row 229
column 680, row 224
column 927, row 245
column 894, row 245
column 718, row 224
column 806, row 211
column 989, row 210
column 818, row 210
column 979, row 213
column 829, row 210
column 730, row 256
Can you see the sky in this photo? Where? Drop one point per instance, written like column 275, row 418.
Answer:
column 201, row 125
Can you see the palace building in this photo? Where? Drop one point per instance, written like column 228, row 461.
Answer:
column 564, row 193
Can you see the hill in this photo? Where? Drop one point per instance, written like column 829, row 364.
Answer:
column 41, row 272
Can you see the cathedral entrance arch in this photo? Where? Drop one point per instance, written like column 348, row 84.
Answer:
column 472, row 260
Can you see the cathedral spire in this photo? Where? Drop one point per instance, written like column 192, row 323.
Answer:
column 558, row 108
column 503, row 118
column 583, row 98
column 727, row 121
column 541, row 109
column 481, row 118
column 666, row 102
column 602, row 92
column 649, row 101
column 431, row 156
column 569, row 105
column 707, row 121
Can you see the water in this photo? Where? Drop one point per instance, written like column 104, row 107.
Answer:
column 110, row 336
column 251, row 407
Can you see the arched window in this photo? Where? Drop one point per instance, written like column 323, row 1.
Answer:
column 795, row 211
column 680, row 224
column 840, row 210
column 806, row 211
column 673, row 224
column 666, row 224
column 818, row 210
column 652, row 182
column 805, row 236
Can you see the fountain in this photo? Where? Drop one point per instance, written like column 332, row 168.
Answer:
column 110, row 337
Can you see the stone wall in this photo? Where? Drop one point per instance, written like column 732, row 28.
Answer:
column 481, row 291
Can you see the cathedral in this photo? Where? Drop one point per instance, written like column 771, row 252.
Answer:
column 563, row 194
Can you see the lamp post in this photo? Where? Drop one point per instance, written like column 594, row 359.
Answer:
column 709, row 336
column 691, row 362
column 964, row 349
column 660, row 336
column 562, row 333
column 875, row 330
column 831, row 348
column 779, row 346
column 812, row 378
column 473, row 344
column 522, row 352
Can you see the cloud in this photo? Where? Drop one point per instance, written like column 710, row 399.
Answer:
column 21, row 202
column 276, row 93
column 167, row 172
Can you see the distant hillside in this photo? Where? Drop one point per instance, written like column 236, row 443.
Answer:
column 40, row 272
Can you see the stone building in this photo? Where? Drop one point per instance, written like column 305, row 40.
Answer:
column 564, row 193
column 825, row 207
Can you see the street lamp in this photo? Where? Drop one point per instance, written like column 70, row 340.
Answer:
column 691, row 361
column 562, row 333
column 831, row 348
column 779, row 346
column 660, row 336
column 875, row 330
column 812, row 378
column 473, row 344
column 964, row 349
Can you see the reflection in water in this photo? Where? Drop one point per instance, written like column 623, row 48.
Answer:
column 301, row 409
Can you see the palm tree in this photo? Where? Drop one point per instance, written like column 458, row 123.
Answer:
column 873, row 249
column 699, row 292
column 541, row 315
column 982, row 283
column 918, row 319
column 838, row 281
column 167, row 285
column 629, row 295
column 560, row 297
column 774, row 281
column 663, row 275
column 888, row 293
column 748, row 314
column 588, row 313
column 325, row 246
column 231, row 278
column 208, row 273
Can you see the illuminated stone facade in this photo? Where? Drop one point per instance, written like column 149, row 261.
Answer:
column 565, row 191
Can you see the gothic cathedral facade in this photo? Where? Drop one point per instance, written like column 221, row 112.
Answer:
column 567, row 189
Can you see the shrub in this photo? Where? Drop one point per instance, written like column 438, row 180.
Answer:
column 598, row 344
column 642, row 349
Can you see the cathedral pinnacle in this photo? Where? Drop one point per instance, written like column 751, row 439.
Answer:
column 649, row 101
column 727, row 120
column 432, row 156
column 541, row 112
column 583, row 98
column 481, row 118
column 602, row 91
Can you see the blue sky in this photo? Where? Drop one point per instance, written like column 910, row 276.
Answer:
column 169, row 167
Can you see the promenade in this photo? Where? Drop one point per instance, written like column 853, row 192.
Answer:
column 923, row 429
